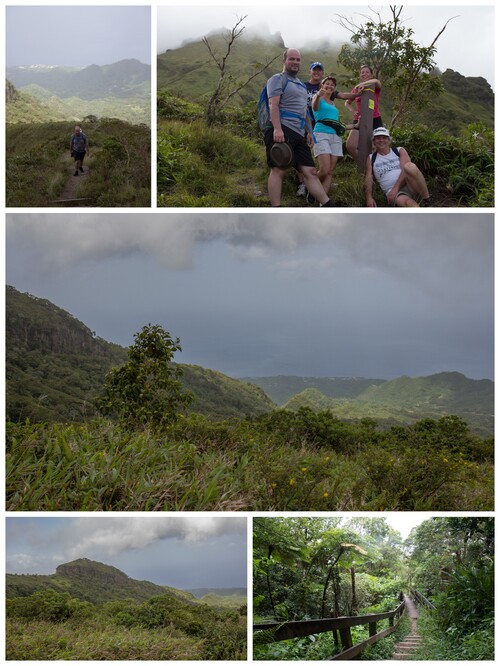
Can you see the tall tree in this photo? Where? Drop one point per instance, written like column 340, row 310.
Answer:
column 146, row 391
column 406, row 68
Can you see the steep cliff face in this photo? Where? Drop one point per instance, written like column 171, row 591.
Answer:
column 10, row 92
column 36, row 323
column 84, row 568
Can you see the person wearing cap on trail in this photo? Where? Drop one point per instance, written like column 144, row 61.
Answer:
column 367, row 81
column 289, row 122
column 327, row 129
column 400, row 179
column 78, row 148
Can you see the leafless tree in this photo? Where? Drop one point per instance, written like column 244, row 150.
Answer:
column 224, row 92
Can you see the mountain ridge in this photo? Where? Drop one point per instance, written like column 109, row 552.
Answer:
column 56, row 365
column 199, row 75
column 89, row 580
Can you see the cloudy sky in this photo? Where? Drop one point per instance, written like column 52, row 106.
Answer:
column 356, row 294
column 301, row 26
column 182, row 552
column 77, row 36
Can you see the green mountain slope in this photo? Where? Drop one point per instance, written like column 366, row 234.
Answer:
column 120, row 90
column 126, row 78
column 190, row 72
column 406, row 400
column 99, row 583
column 86, row 580
column 283, row 387
column 56, row 367
column 26, row 107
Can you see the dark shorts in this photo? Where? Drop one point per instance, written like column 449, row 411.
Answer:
column 377, row 122
column 78, row 157
column 298, row 143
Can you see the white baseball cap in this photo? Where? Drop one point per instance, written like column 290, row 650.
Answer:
column 381, row 131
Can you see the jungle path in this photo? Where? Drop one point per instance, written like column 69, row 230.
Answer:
column 405, row 648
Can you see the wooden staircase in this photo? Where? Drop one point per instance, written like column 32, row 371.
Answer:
column 404, row 649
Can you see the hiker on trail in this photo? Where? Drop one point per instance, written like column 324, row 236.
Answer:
column 78, row 148
column 286, row 131
column 367, row 81
column 328, row 131
column 400, row 179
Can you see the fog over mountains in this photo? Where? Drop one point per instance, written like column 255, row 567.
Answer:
column 126, row 78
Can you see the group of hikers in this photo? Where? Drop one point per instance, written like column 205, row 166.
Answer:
column 303, row 116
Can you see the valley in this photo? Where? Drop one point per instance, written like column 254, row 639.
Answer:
column 408, row 444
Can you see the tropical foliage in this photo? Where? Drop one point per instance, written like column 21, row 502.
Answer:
column 146, row 391
column 309, row 568
column 281, row 461
column 52, row 625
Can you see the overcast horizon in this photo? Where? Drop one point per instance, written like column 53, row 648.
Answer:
column 45, row 35
column 185, row 552
column 348, row 295
column 302, row 26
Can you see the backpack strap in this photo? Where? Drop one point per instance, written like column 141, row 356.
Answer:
column 374, row 155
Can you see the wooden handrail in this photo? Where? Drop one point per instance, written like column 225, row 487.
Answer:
column 420, row 599
column 300, row 628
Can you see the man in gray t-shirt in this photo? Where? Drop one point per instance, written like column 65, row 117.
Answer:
column 288, row 116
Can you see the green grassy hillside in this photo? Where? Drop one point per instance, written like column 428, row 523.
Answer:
column 406, row 400
column 451, row 140
column 86, row 580
column 283, row 387
column 39, row 167
column 120, row 90
column 56, row 367
column 92, row 611
column 99, row 583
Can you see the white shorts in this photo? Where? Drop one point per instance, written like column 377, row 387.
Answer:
column 327, row 144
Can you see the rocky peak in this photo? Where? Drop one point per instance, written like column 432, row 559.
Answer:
column 85, row 568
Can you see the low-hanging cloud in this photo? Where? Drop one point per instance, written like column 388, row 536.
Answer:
column 421, row 249
column 111, row 536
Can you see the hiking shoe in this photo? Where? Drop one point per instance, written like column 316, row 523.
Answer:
column 301, row 192
column 81, row 169
column 427, row 203
column 76, row 173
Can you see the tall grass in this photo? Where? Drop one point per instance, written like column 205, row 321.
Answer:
column 94, row 640
column 38, row 164
column 231, row 466
column 225, row 165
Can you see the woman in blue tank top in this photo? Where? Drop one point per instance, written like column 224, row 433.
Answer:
column 328, row 142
